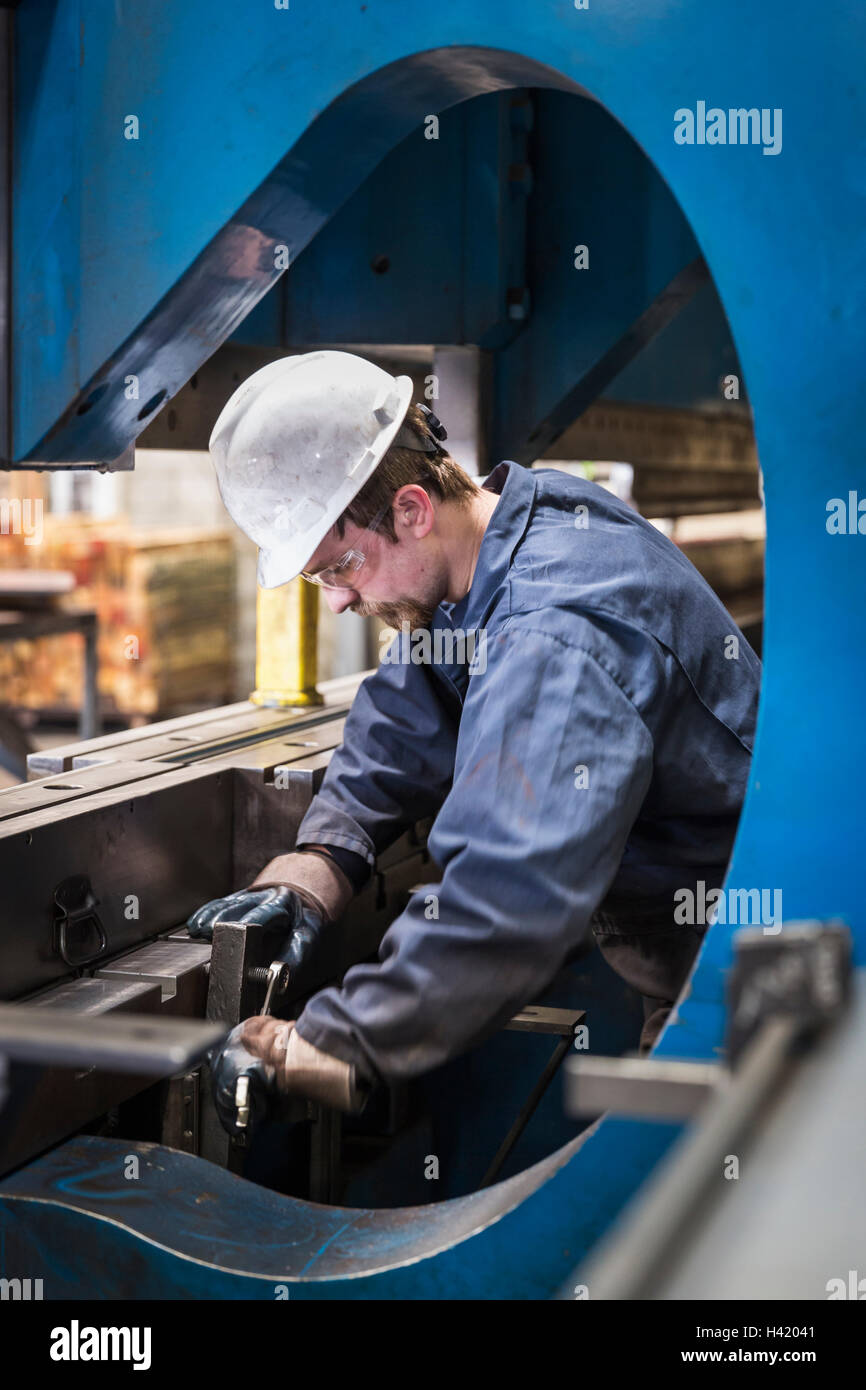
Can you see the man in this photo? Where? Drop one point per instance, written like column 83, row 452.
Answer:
column 580, row 725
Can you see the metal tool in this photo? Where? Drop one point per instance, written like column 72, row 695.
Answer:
column 563, row 1023
column 242, row 1101
column 277, row 975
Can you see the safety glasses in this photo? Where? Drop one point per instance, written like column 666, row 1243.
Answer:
column 343, row 573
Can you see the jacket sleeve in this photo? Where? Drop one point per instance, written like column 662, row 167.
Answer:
column 396, row 761
column 553, row 764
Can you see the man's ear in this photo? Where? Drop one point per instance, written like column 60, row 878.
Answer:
column 414, row 508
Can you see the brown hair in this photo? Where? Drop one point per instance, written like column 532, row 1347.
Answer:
column 436, row 473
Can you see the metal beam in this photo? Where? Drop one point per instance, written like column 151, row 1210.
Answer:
column 123, row 343
column 135, row 1043
column 610, row 261
column 615, row 358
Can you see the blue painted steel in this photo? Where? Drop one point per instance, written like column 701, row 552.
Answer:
column 187, row 1229
column 127, row 272
column 685, row 366
column 595, row 188
column 148, row 310
column 420, row 255
column 783, row 238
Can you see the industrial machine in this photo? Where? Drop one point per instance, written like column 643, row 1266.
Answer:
column 171, row 817
column 104, row 1059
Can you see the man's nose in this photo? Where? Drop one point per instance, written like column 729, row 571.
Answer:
column 338, row 600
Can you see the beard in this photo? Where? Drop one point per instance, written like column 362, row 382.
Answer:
column 403, row 610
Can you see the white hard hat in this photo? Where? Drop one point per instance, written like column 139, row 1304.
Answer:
column 294, row 445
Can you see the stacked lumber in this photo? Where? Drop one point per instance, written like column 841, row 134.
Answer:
column 685, row 461
column 166, row 608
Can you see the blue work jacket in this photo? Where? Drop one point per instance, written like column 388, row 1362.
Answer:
column 586, row 760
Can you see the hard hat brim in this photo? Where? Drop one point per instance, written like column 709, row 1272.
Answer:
column 278, row 564
column 277, row 567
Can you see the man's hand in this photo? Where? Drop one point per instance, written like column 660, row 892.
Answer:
column 269, row 1058
column 298, row 894
column 244, row 1083
column 283, row 908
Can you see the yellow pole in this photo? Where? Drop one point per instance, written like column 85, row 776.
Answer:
column 287, row 621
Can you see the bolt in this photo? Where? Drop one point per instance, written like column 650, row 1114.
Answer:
column 517, row 301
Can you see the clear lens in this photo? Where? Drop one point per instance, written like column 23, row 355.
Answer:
column 338, row 576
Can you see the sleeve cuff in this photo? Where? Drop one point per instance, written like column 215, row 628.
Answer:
column 320, row 1076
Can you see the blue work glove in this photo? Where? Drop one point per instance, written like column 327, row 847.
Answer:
column 263, row 1060
column 297, row 893
column 242, row 1109
column 283, row 908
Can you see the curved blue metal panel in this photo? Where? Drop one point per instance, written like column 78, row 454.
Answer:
column 185, row 1229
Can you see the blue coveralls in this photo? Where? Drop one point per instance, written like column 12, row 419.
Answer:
column 594, row 763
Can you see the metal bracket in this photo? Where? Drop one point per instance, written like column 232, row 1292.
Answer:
column 536, row 1018
column 75, row 914
column 640, row 1086
column 782, row 990
column 801, row 975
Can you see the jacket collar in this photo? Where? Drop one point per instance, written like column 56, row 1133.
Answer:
column 506, row 528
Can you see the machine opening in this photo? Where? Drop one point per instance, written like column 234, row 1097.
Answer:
column 556, row 316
